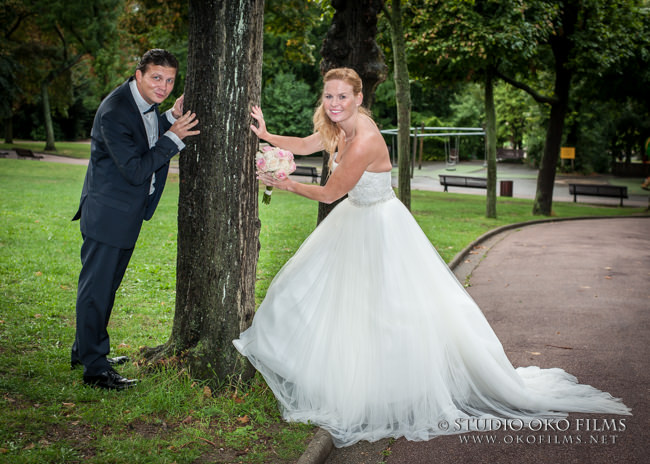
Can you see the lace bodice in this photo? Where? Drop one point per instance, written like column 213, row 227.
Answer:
column 373, row 187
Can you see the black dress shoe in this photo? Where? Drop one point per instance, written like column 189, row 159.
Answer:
column 109, row 380
column 111, row 361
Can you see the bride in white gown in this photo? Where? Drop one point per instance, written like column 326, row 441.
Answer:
column 365, row 331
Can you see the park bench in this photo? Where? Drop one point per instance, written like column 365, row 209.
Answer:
column 462, row 181
column 25, row 153
column 509, row 154
column 307, row 171
column 598, row 190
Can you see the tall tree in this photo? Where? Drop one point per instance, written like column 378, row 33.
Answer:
column 350, row 42
column 402, row 100
column 11, row 16
column 471, row 40
column 50, row 38
column 218, row 225
column 589, row 38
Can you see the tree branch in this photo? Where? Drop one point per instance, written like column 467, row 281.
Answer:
column 384, row 8
column 16, row 25
column 539, row 98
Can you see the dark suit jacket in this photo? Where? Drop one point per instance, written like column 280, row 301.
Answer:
column 115, row 196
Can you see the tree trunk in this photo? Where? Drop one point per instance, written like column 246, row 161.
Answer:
column 47, row 117
column 561, row 47
column 9, row 129
column 218, row 225
column 491, row 147
column 403, row 101
column 350, row 42
column 546, row 177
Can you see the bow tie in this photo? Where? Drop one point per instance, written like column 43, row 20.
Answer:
column 153, row 107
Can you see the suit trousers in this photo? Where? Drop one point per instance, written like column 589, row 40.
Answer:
column 102, row 269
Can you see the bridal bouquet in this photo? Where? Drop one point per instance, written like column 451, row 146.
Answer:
column 274, row 161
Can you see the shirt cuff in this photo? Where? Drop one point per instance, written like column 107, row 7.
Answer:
column 169, row 116
column 176, row 139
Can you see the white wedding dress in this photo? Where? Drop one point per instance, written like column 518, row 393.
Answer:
column 367, row 333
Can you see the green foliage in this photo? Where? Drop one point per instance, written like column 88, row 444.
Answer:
column 45, row 41
column 449, row 45
column 288, row 105
column 300, row 25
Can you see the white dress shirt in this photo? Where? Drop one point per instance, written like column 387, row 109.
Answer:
column 151, row 124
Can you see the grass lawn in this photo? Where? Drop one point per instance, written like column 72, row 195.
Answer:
column 70, row 149
column 49, row 416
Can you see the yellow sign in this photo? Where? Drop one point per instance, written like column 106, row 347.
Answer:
column 568, row 153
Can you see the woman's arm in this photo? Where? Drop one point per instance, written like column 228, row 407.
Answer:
column 356, row 158
column 297, row 145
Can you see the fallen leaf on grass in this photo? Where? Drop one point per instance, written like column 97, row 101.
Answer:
column 243, row 420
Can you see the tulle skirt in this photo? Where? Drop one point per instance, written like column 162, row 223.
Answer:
column 367, row 333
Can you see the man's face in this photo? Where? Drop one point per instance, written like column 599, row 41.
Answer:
column 156, row 83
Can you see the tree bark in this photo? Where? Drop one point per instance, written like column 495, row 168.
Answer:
column 491, row 149
column 47, row 117
column 403, row 101
column 350, row 42
column 218, row 225
column 9, row 129
column 561, row 46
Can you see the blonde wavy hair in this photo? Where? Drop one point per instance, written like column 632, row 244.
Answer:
column 327, row 129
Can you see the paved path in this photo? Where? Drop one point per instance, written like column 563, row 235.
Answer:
column 569, row 294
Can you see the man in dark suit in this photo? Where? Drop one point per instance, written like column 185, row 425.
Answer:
column 131, row 145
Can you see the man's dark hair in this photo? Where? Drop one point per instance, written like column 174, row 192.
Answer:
column 157, row 57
